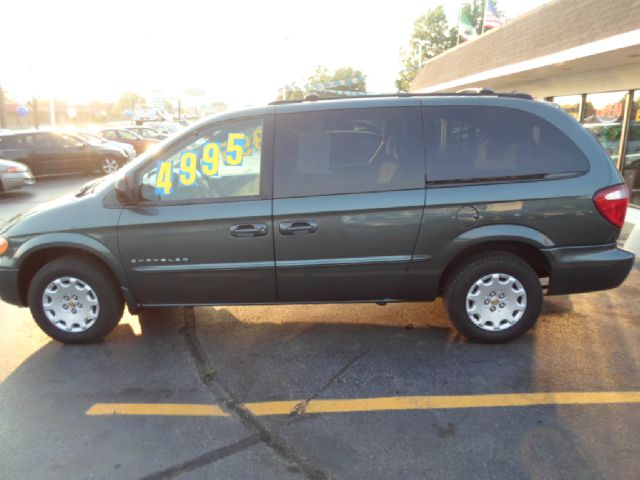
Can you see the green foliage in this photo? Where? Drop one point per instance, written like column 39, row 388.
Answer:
column 294, row 92
column 433, row 35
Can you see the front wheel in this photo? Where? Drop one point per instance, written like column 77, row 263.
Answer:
column 109, row 165
column 493, row 297
column 75, row 299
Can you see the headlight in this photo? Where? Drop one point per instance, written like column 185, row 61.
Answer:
column 17, row 169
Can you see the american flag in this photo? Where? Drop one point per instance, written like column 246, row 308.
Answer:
column 491, row 17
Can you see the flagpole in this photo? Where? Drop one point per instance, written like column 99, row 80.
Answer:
column 458, row 28
column 484, row 15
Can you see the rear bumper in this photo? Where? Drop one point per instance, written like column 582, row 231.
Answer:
column 587, row 269
column 11, row 181
column 9, row 287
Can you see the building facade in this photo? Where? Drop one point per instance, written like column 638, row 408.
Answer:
column 584, row 55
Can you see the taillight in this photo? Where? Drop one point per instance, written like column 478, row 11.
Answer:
column 612, row 203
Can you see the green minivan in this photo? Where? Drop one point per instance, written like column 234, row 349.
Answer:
column 488, row 200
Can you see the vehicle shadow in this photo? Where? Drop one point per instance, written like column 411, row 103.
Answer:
column 24, row 193
column 303, row 352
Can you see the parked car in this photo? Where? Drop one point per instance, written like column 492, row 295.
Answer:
column 52, row 153
column 167, row 128
column 14, row 175
column 489, row 200
column 122, row 135
column 148, row 132
column 98, row 140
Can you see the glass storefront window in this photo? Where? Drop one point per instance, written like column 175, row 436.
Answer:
column 603, row 117
column 631, row 164
column 570, row 104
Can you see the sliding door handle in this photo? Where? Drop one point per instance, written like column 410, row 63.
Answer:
column 299, row 227
column 249, row 230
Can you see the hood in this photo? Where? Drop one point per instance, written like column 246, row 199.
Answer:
column 68, row 211
column 109, row 149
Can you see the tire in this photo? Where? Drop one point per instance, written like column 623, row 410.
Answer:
column 108, row 165
column 500, row 281
column 97, row 308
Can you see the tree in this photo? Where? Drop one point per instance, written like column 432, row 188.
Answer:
column 127, row 101
column 432, row 35
column 291, row 92
column 323, row 78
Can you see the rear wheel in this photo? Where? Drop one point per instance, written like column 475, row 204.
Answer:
column 75, row 299
column 493, row 297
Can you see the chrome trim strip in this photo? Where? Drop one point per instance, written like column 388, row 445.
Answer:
column 336, row 262
column 204, row 267
column 319, row 262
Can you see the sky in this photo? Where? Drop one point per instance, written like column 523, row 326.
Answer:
column 239, row 52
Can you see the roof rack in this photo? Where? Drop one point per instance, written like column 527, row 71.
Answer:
column 313, row 97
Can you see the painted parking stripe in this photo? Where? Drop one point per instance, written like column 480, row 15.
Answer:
column 172, row 409
column 374, row 404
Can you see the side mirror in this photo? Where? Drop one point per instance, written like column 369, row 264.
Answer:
column 123, row 192
column 147, row 192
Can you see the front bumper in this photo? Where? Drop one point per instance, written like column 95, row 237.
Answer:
column 9, row 286
column 587, row 269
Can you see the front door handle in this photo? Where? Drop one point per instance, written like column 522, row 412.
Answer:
column 299, row 227
column 245, row 230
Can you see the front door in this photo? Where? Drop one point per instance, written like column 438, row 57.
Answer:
column 348, row 201
column 202, row 231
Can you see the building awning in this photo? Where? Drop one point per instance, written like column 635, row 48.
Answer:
column 562, row 48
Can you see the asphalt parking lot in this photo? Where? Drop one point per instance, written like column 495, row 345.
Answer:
column 333, row 391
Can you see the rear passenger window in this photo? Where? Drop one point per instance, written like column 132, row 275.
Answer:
column 485, row 143
column 348, row 151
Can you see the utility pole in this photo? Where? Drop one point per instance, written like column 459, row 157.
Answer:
column 34, row 107
column 52, row 112
column 3, row 110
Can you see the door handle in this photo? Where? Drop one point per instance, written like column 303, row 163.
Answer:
column 249, row 230
column 300, row 227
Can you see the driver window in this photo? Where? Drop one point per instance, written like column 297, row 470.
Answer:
column 222, row 161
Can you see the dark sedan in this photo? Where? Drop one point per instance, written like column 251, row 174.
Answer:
column 51, row 153
column 125, row 136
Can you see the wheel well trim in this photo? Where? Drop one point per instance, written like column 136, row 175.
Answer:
column 504, row 233
column 82, row 244
column 493, row 237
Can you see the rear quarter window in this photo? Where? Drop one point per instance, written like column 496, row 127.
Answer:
column 471, row 143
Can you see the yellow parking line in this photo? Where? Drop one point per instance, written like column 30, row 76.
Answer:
column 173, row 409
column 374, row 404
column 444, row 402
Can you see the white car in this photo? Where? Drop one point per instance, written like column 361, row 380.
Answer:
column 95, row 139
column 14, row 175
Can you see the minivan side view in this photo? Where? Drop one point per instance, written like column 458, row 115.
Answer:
column 487, row 200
